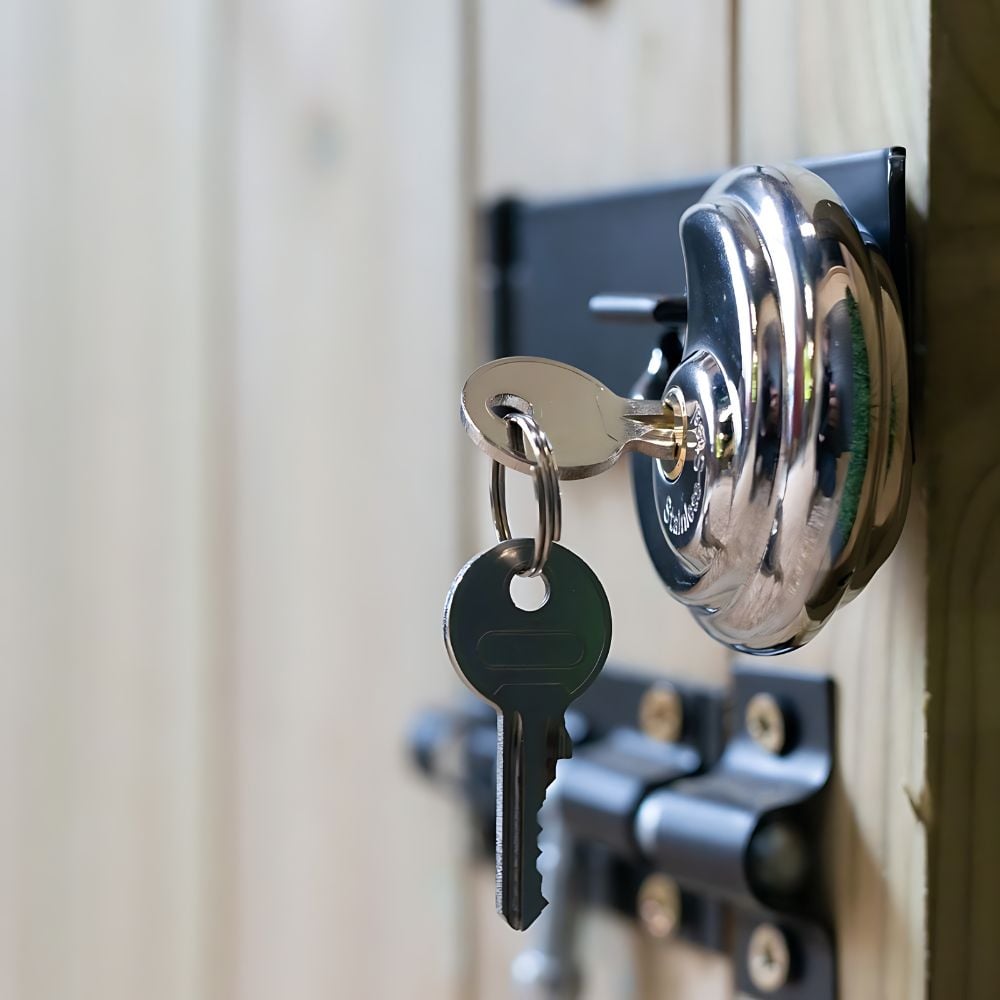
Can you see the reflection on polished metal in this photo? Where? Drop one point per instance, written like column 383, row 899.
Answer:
column 796, row 479
column 546, row 477
column 588, row 426
column 662, row 309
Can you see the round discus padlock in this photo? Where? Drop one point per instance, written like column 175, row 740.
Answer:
column 793, row 381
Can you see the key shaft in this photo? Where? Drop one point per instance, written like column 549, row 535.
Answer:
column 528, row 746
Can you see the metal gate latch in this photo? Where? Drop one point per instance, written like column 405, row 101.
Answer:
column 666, row 817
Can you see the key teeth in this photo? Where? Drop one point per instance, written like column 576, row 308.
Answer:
column 564, row 750
column 533, row 890
column 560, row 748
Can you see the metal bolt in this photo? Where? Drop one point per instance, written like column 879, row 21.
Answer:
column 769, row 961
column 661, row 713
column 765, row 722
column 659, row 905
column 777, row 858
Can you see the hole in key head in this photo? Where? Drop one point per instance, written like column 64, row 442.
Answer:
column 529, row 593
column 503, row 405
column 506, row 403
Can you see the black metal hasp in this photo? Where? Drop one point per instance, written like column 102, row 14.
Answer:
column 546, row 259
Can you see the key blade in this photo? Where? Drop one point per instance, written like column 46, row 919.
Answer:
column 528, row 746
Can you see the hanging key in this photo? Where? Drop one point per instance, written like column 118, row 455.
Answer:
column 589, row 427
column 530, row 665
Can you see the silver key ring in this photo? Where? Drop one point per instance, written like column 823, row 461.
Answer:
column 546, row 477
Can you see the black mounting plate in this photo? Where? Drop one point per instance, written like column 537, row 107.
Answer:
column 548, row 257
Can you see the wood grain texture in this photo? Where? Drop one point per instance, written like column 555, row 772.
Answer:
column 577, row 97
column 819, row 79
column 874, row 853
column 963, row 368
column 109, row 764
column 349, row 212
column 826, row 78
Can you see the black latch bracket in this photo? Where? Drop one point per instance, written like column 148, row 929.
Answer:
column 731, row 812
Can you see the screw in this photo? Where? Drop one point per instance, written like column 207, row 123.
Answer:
column 769, row 961
column 765, row 722
column 659, row 905
column 661, row 713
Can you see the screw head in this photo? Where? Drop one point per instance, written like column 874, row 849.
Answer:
column 661, row 713
column 769, row 960
column 659, row 905
column 765, row 722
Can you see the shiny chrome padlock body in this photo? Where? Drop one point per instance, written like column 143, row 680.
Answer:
column 793, row 381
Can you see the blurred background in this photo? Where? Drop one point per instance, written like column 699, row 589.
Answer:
column 238, row 298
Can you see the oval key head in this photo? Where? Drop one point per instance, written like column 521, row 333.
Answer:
column 548, row 656
column 587, row 425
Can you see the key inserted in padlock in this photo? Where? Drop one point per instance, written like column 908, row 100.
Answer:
column 588, row 426
column 772, row 470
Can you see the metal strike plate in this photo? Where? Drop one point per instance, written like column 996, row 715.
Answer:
column 789, row 363
column 746, row 831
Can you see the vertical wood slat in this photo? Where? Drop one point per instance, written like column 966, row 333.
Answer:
column 109, row 765
column 583, row 96
column 962, row 274
column 822, row 79
column 577, row 97
column 350, row 212
column 107, row 842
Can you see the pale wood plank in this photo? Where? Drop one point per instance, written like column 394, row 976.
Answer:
column 577, row 97
column 825, row 78
column 109, row 765
column 349, row 279
column 822, row 79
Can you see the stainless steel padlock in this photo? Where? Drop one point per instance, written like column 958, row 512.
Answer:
column 794, row 385
column 772, row 458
